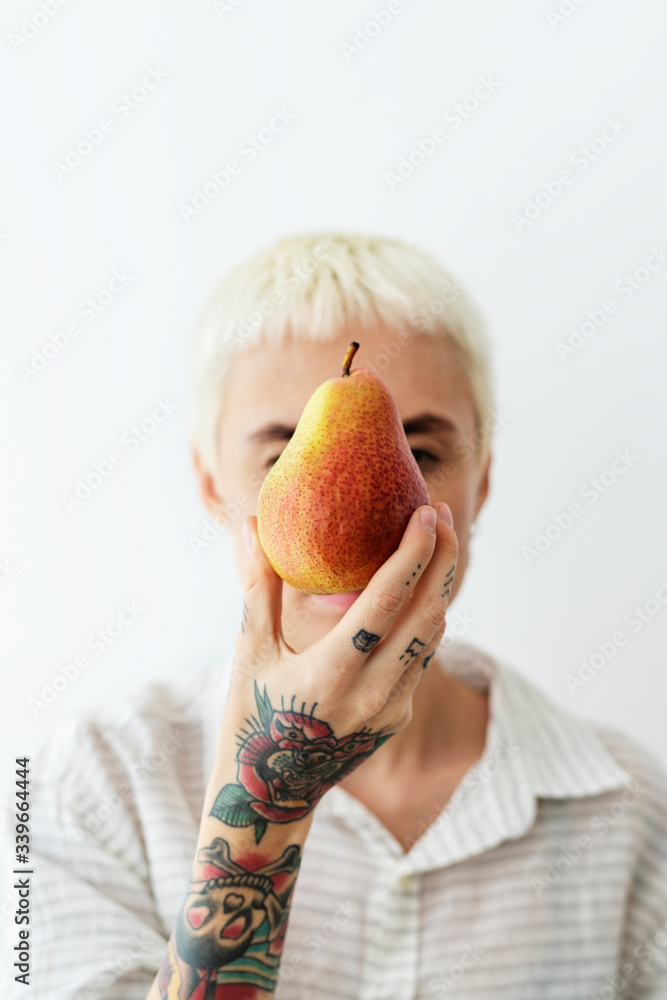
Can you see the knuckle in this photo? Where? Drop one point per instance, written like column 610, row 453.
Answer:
column 405, row 717
column 426, row 549
column 261, row 652
column 371, row 703
column 452, row 547
column 256, row 576
column 394, row 695
column 401, row 688
column 433, row 616
column 400, row 717
column 439, row 635
column 251, row 580
column 388, row 602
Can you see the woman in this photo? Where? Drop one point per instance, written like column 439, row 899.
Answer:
column 385, row 815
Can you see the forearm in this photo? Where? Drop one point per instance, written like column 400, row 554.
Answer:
column 285, row 756
column 230, row 930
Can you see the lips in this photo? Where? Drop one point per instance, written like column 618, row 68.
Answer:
column 337, row 602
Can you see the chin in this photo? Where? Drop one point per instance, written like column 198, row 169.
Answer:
column 313, row 615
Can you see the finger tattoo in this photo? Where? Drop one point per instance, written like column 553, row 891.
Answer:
column 413, row 650
column 365, row 641
column 447, row 589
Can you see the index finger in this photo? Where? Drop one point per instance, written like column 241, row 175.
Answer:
column 375, row 610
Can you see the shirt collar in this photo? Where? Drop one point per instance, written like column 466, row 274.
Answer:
column 534, row 749
column 562, row 753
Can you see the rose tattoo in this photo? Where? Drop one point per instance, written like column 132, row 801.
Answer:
column 287, row 760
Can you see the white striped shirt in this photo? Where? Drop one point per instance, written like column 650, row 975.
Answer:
column 543, row 878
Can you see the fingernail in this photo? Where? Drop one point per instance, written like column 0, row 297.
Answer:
column 446, row 514
column 247, row 536
column 427, row 518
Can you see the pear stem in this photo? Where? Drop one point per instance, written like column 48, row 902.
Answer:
column 351, row 351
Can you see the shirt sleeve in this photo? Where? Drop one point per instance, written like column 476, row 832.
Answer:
column 95, row 933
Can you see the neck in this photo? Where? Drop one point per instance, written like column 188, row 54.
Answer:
column 448, row 725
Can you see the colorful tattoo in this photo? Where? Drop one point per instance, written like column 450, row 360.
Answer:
column 286, row 762
column 231, row 928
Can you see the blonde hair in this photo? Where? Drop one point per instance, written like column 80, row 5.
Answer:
column 314, row 285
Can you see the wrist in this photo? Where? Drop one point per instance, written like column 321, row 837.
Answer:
column 273, row 764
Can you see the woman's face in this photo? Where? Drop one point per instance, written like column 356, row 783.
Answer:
column 267, row 390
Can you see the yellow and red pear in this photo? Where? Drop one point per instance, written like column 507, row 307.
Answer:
column 335, row 505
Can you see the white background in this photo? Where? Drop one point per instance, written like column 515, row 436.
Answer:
column 356, row 112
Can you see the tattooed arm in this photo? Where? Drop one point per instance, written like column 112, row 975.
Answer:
column 294, row 724
column 230, row 930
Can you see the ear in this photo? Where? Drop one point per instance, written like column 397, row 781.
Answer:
column 483, row 485
column 207, row 488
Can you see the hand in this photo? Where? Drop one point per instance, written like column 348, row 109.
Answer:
column 305, row 720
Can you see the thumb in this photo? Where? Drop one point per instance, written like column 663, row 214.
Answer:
column 261, row 629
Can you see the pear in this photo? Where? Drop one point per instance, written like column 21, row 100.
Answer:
column 335, row 505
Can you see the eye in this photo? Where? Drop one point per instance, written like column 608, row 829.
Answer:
column 425, row 459
column 270, row 462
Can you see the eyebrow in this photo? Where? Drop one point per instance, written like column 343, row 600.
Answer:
column 272, row 432
column 426, row 422
column 421, row 424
